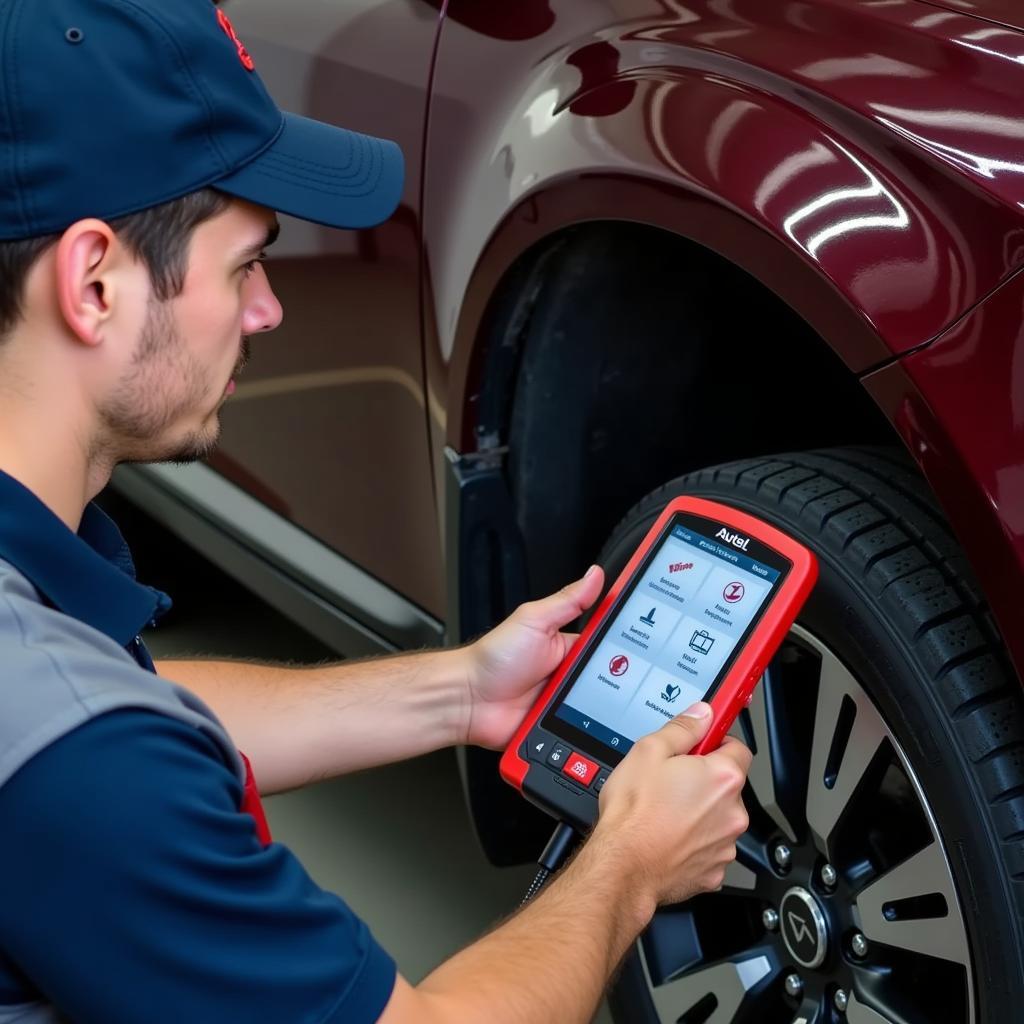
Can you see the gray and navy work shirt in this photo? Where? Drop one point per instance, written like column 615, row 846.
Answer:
column 132, row 886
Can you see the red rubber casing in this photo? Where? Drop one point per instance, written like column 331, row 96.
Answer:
column 751, row 659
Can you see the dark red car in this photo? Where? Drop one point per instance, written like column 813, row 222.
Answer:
column 766, row 251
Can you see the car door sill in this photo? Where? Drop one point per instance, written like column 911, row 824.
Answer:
column 331, row 597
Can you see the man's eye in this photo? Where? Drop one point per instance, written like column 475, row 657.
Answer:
column 249, row 267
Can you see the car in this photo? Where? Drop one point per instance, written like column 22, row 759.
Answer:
column 763, row 251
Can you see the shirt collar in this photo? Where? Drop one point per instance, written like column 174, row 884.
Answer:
column 89, row 575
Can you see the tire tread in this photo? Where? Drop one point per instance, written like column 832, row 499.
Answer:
column 870, row 507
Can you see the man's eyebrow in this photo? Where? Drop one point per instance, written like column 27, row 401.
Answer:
column 268, row 239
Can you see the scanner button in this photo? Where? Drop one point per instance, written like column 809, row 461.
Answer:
column 755, row 675
column 558, row 755
column 580, row 770
column 537, row 746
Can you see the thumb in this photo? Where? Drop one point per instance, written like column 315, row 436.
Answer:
column 569, row 603
column 686, row 730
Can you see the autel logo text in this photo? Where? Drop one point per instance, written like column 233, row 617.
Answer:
column 733, row 538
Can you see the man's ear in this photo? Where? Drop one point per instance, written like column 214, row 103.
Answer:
column 86, row 258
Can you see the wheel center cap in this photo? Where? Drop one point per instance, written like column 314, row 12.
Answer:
column 803, row 927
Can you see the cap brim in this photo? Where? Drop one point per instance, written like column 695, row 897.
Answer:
column 323, row 173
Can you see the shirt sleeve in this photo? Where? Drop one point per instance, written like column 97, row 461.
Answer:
column 132, row 888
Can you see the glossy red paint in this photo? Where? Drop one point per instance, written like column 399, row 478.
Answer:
column 1005, row 12
column 959, row 406
column 862, row 159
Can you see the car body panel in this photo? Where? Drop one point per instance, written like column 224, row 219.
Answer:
column 328, row 423
column 863, row 142
column 1005, row 12
column 959, row 407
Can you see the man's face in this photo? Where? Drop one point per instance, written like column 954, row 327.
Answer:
column 165, row 405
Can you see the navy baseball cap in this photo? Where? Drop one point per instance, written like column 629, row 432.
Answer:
column 109, row 107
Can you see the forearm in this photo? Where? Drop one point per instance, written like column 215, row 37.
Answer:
column 299, row 725
column 553, row 960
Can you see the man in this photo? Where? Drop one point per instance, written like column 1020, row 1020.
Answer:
column 142, row 165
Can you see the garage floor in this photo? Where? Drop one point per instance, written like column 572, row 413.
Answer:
column 396, row 843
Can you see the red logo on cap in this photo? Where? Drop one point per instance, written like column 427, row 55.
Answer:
column 243, row 54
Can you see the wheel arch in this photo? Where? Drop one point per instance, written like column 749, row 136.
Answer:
column 854, row 221
column 596, row 327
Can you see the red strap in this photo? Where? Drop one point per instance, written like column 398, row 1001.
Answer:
column 251, row 803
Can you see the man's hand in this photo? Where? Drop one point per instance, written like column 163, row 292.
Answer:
column 667, row 829
column 508, row 666
column 670, row 820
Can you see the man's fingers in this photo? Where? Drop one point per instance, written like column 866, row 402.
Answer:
column 686, row 730
column 736, row 751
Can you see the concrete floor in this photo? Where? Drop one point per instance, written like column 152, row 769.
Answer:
column 395, row 843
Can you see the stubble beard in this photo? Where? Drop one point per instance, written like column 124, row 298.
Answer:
column 139, row 415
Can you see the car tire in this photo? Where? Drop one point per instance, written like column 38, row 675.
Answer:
column 889, row 759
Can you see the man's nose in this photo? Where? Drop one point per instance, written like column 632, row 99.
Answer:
column 263, row 312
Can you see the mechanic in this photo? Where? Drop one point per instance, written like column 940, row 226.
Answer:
column 143, row 166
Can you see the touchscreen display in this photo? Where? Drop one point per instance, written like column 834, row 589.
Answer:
column 673, row 636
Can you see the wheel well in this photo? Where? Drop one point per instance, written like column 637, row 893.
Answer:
column 617, row 356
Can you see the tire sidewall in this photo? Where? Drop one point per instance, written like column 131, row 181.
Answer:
column 843, row 616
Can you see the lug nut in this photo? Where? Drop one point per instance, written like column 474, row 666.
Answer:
column 829, row 876
column 859, row 945
column 783, row 856
column 794, row 986
column 840, row 1001
column 770, row 919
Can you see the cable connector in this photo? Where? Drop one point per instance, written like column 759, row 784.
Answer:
column 560, row 845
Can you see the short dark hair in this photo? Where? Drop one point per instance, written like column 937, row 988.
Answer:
column 158, row 236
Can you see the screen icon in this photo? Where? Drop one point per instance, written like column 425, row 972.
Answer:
column 618, row 665
column 648, row 619
column 734, row 592
column 701, row 641
column 670, row 693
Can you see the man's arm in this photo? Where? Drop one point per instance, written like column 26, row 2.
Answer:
column 551, row 962
column 298, row 725
column 667, row 830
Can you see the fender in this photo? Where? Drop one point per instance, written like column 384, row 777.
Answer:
column 956, row 405
column 855, row 159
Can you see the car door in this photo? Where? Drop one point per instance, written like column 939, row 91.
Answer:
column 328, row 426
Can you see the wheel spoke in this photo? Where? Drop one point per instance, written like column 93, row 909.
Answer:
column 848, row 763
column 924, row 926
column 726, row 984
column 836, row 763
column 763, row 775
column 858, row 1013
column 739, row 877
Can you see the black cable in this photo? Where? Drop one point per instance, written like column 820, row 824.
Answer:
column 560, row 845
